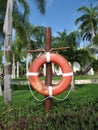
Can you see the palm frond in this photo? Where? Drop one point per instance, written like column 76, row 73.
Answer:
column 41, row 4
column 83, row 9
column 81, row 18
column 25, row 7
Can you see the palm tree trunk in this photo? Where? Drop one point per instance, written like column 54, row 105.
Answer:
column 0, row 89
column 28, row 60
column 0, row 83
column 13, row 67
column 7, row 73
column 17, row 69
column 7, row 29
column 27, row 64
column 73, row 83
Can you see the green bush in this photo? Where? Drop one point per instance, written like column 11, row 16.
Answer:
column 18, row 87
column 94, row 64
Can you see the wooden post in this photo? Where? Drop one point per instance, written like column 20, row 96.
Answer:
column 48, row 80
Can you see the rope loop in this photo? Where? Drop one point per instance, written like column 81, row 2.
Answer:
column 50, row 94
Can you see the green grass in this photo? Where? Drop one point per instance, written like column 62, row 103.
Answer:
column 78, row 111
column 86, row 77
column 22, row 97
column 59, row 77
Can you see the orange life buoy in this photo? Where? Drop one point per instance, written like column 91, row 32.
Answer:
column 41, row 87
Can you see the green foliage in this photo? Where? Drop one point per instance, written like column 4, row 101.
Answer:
column 1, row 54
column 82, row 56
column 60, row 40
column 88, row 21
column 63, row 39
column 17, row 87
column 78, row 111
column 71, row 40
column 95, row 65
column 95, row 39
column 41, row 4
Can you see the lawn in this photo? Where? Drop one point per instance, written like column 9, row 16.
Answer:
column 86, row 77
column 59, row 77
column 78, row 111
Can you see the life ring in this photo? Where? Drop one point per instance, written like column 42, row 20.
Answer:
column 41, row 87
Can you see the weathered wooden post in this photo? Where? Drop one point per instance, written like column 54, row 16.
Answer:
column 48, row 80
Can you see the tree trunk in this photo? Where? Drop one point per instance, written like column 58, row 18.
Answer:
column 1, row 93
column 28, row 60
column 13, row 67
column 0, row 82
column 7, row 29
column 17, row 69
column 26, row 65
column 73, row 83
column 7, row 72
column 7, row 89
column 0, row 89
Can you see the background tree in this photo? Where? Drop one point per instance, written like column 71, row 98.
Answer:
column 94, row 64
column 37, row 37
column 74, row 53
column 95, row 40
column 88, row 22
column 60, row 39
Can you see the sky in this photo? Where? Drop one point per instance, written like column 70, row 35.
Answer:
column 60, row 14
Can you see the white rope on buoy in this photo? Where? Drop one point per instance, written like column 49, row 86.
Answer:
column 50, row 96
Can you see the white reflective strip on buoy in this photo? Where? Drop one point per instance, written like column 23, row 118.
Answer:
column 32, row 74
column 67, row 74
column 47, row 56
column 50, row 91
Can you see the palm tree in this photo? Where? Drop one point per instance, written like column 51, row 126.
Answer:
column 7, row 29
column 17, row 56
column 34, row 39
column 37, row 37
column 19, row 18
column 17, row 22
column 60, row 40
column 88, row 22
